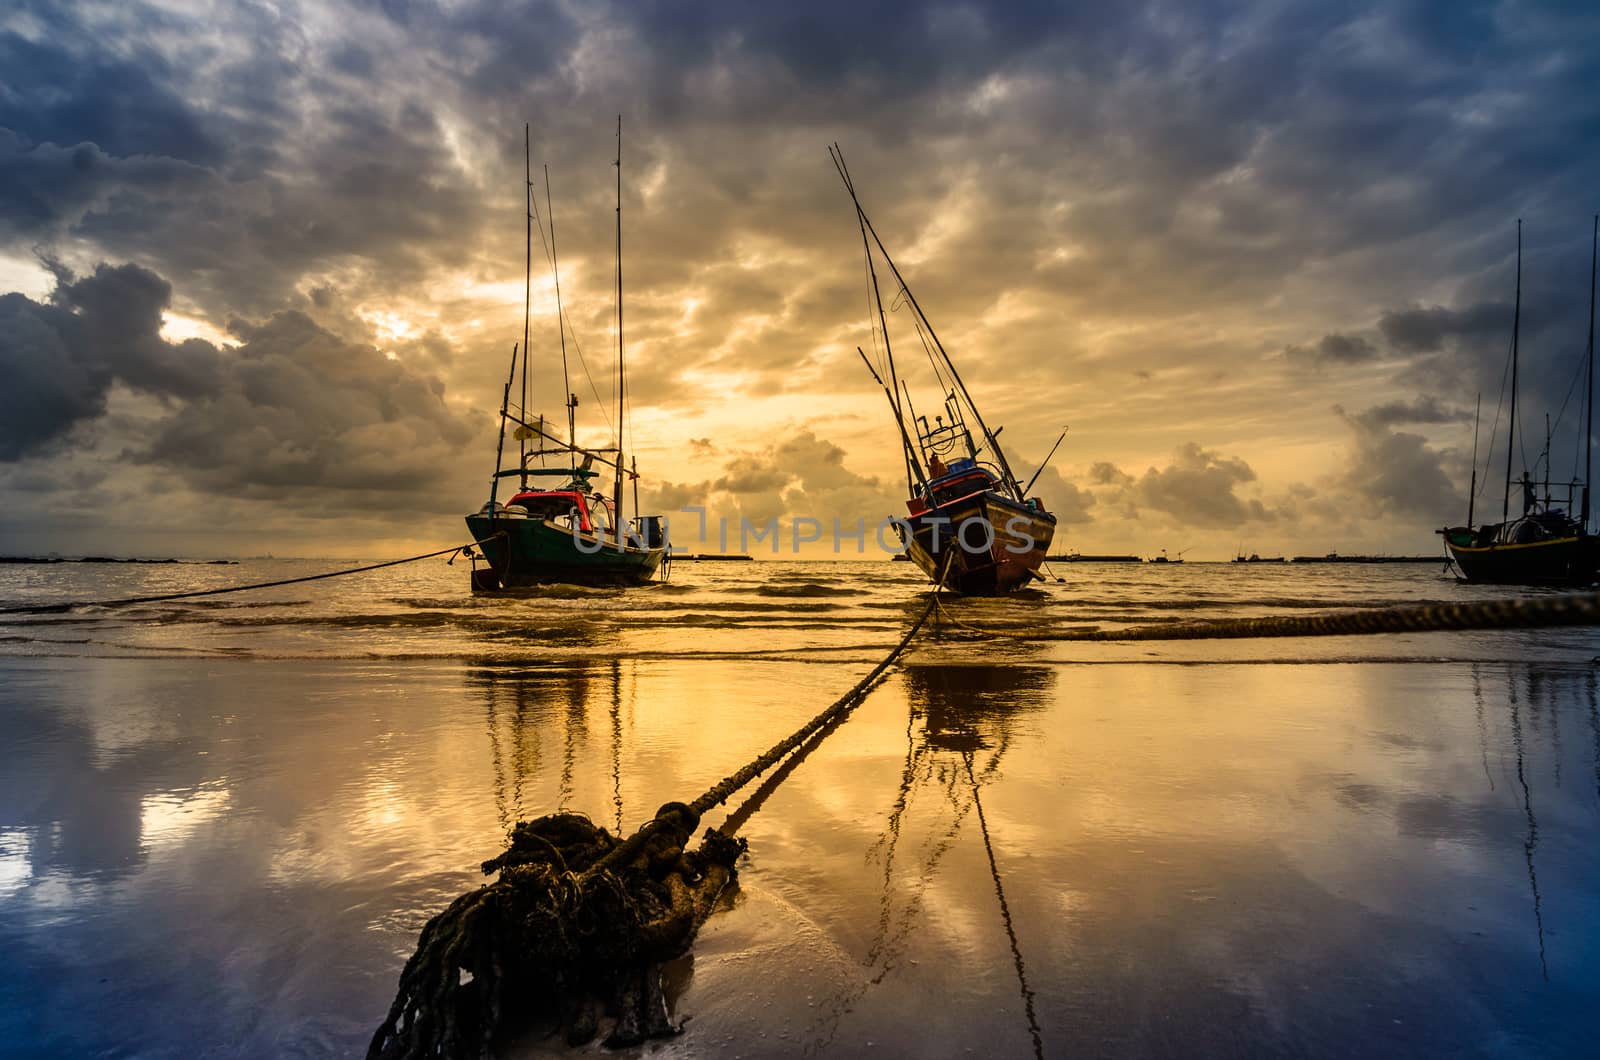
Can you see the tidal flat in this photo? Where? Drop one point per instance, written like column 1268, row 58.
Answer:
column 224, row 822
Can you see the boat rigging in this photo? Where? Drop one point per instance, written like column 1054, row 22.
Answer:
column 563, row 528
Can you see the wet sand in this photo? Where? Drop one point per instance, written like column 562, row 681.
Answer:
column 234, row 857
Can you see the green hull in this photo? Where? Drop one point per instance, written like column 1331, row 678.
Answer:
column 526, row 552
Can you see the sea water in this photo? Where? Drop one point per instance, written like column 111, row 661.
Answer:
column 223, row 820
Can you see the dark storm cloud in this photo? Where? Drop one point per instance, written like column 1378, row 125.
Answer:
column 1396, row 413
column 124, row 103
column 42, row 185
column 1066, row 500
column 1196, row 489
column 1333, row 349
column 1396, row 472
column 235, row 158
column 1260, row 136
column 1427, row 330
column 799, row 476
column 292, row 410
column 302, row 409
column 1105, row 473
column 1050, row 173
column 59, row 359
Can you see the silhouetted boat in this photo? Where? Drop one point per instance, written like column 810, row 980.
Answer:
column 1546, row 544
column 1162, row 558
column 1253, row 558
column 972, row 526
column 566, row 531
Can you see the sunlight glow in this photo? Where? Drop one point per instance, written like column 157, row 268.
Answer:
column 175, row 327
column 170, row 817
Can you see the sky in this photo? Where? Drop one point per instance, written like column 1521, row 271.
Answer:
column 262, row 264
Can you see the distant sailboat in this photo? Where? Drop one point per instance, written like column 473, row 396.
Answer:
column 972, row 526
column 557, row 526
column 1547, row 544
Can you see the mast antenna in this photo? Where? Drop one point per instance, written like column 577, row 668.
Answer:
column 1511, row 430
column 561, row 323
column 1472, row 489
column 527, row 284
column 621, row 378
column 1588, row 418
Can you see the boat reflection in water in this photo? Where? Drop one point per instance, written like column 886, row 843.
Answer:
column 959, row 723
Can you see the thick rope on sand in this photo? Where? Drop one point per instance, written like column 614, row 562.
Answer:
column 578, row 923
column 1578, row 609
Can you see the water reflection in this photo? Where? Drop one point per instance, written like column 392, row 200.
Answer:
column 1534, row 699
column 77, row 810
column 1591, row 692
column 972, row 707
column 1531, row 843
column 957, row 717
column 532, row 715
column 1005, row 914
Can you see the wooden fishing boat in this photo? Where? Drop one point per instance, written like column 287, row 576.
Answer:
column 971, row 526
column 1550, row 542
column 557, row 526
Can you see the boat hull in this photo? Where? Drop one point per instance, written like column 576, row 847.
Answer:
column 948, row 543
column 1558, row 561
column 525, row 552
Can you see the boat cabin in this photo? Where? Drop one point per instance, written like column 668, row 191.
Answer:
column 963, row 478
column 568, row 508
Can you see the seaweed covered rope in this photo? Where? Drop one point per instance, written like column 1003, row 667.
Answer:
column 1544, row 612
column 578, row 922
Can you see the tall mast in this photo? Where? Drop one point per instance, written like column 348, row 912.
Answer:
column 1010, row 478
column 1588, row 402
column 1511, row 433
column 561, row 323
column 527, row 288
column 621, row 377
column 500, row 446
column 913, row 466
column 1472, row 490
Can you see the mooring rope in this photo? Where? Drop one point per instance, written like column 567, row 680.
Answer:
column 1577, row 609
column 577, row 921
column 719, row 793
column 44, row 609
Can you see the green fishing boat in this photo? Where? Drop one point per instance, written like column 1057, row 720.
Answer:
column 1551, row 542
column 558, row 526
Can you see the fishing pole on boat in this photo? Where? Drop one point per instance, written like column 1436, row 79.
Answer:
column 1046, row 462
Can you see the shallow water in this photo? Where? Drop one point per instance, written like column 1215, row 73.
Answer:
column 223, row 821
